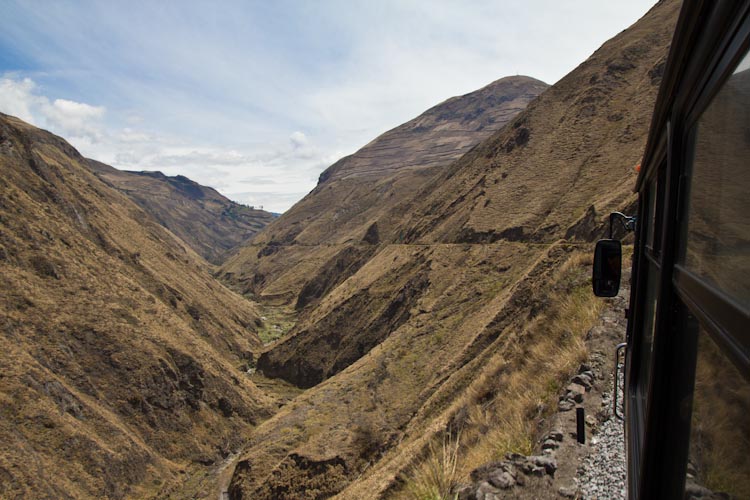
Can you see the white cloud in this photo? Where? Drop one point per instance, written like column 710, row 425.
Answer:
column 62, row 116
column 130, row 135
column 73, row 119
column 272, row 174
column 298, row 139
column 17, row 99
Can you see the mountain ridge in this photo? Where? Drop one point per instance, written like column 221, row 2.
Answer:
column 206, row 220
column 445, row 124
column 357, row 190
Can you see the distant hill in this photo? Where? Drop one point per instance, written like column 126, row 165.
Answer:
column 353, row 196
column 122, row 361
column 207, row 221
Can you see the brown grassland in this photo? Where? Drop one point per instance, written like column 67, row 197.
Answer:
column 120, row 355
column 420, row 308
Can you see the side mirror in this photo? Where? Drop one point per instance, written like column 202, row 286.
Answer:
column 607, row 268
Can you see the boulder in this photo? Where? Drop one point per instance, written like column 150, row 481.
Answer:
column 556, row 435
column 548, row 463
column 583, row 380
column 550, row 444
column 502, row 479
column 486, row 491
column 575, row 392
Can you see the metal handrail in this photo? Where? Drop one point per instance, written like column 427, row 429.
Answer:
column 616, row 408
column 628, row 222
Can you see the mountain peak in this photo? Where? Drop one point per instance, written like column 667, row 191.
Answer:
column 448, row 129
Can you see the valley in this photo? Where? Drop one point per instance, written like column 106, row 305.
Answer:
column 415, row 312
column 432, row 292
column 120, row 352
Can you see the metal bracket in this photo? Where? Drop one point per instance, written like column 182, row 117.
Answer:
column 627, row 221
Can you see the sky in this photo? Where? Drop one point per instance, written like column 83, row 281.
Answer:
column 257, row 98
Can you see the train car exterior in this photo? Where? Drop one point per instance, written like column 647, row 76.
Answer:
column 687, row 351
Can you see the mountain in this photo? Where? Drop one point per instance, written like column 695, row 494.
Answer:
column 440, row 134
column 454, row 313
column 122, row 361
column 335, row 225
column 204, row 219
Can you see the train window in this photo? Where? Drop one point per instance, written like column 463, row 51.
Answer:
column 720, row 427
column 717, row 225
column 644, row 344
column 651, row 207
column 646, row 340
column 655, row 203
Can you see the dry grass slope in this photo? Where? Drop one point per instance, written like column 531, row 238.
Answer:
column 498, row 411
column 354, row 193
column 209, row 223
column 120, row 356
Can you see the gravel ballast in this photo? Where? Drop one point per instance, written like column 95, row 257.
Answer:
column 602, row 473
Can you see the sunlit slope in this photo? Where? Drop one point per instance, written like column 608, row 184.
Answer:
column 120, row 356
column 208, row 222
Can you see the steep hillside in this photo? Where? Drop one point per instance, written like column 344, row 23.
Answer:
column 334, row 225
column 204, row 219
column 470, row 306
column 440, row 134
column 121, row 360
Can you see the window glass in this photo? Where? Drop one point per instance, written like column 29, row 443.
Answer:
column 720, row 426
column 717, row 231
column 646, row 341
column 651, row 216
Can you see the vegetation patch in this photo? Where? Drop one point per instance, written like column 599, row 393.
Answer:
column 277, row 321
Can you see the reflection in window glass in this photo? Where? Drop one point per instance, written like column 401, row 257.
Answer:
column 718, row 222
column 645, row 350
column 720, row 428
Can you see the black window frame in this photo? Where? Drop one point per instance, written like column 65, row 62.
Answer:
column 725, row 319
column 635, row 411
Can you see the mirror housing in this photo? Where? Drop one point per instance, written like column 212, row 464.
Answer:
column 607, row 268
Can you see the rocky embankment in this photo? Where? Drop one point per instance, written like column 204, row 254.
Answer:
column 562, row 467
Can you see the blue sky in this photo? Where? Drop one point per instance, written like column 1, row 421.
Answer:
column 257, row 98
